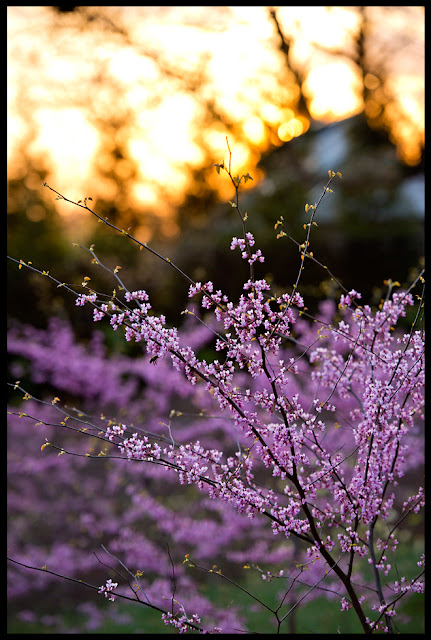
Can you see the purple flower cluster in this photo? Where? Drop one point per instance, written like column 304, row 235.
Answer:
column 243, row 244
column 286, row 448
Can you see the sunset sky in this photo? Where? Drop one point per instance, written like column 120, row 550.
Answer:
column 67, row 77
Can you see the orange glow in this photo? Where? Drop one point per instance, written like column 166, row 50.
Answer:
column 65, row 83
column 326, row 25
column 407, row 87
column 254, row 129
column 371, row 81
column 271, row 113
column 408, row 118
column 143, row 194
column 163, row 141
column 334, row 91
column 70, row 142
column 291, row 129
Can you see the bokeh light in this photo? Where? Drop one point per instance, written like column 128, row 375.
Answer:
column 167, row 85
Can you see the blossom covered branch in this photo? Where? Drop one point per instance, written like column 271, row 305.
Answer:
column 321, row 421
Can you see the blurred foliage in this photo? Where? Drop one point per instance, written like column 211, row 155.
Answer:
column 366, row 233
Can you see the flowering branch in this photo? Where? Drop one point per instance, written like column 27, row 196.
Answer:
column 324, row 429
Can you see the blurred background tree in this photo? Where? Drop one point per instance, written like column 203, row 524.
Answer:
column 132, row 105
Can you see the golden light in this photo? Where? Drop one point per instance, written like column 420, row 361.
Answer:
column 291, row 129
column 371, row 81
column 334, row 91
column 144, row 194
column 215, row 138
column 254, row 129
column 304, row 122
column 70, row 142
column 14, row 132
column 407, row 88
column 153, row 164
column 287, row 114
column 242, row 65
column 167, row 132
column 408, row 117
column 326, row 25
column 129, row 66
column 373, row 108
column 271, row 113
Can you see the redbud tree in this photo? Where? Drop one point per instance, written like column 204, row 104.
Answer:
column 252, row 436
